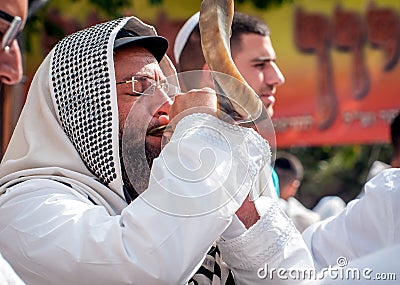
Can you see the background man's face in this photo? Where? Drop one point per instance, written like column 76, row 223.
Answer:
column 256, row 62
column 10, row 61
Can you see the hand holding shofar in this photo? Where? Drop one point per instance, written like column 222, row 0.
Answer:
column 215, row 29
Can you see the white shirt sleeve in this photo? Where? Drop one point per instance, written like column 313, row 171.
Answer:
column 272, row 243
column 52, row 234
column 364, row 226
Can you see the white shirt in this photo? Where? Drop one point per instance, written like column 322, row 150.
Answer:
column 366, row 225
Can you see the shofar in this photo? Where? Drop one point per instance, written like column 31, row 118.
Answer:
column 215, row 29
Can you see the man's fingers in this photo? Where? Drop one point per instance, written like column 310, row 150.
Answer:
column 195, row 101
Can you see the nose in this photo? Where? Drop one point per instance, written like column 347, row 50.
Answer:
column 11, row 64
column 274, row 76
column 164, row 109
column 162, row 113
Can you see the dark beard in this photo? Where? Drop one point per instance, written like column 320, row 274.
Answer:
column 151, row 152
column 137, row 167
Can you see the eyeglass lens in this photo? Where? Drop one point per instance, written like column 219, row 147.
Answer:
column 146, row 86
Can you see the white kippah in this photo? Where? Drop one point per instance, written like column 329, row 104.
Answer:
column 184, row 34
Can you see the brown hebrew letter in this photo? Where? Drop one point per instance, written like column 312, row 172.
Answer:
column 383, row 31
column 349, row 34
column 313, row 34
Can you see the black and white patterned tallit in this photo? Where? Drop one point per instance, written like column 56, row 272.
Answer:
column 80, row 78
column 212, row 272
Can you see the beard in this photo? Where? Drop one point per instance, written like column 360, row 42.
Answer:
column 151, row 152
column 136, row 164
column 138, row 149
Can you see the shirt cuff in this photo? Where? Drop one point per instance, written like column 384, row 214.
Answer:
column 260, row 243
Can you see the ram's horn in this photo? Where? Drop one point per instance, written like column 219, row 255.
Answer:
column 215, row 29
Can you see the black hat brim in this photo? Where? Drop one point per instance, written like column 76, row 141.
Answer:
column 155, row 44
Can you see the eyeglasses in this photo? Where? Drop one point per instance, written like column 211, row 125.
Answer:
column 143, row 85
column 12, row 31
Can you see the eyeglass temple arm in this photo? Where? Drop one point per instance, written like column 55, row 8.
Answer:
column 12, row 31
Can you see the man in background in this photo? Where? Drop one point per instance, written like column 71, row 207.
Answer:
column 13, row 15
column 290, row 173
column 251, row 50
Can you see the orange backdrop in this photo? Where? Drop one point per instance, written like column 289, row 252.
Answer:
column 342, row 72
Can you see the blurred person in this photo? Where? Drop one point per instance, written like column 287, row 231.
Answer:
column 290, row 174
column 13, row 15
column 90, row 194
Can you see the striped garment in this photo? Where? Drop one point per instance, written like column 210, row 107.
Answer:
column 213, row 271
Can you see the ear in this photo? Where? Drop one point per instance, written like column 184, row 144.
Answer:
column 294, row 186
